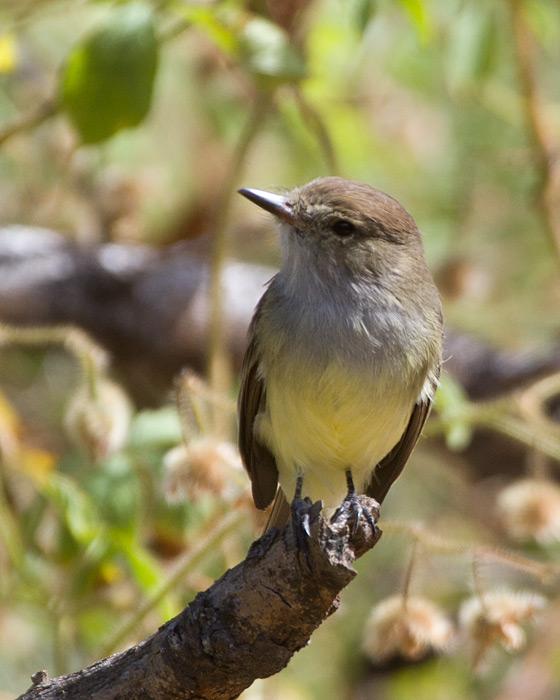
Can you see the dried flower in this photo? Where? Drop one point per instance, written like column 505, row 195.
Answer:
column 198, row 469
column 411, row 627
column 99, row 422
column 530, row 509
column 496, row 620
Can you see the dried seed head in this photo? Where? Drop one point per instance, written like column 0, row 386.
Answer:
column 530, row 509
column 496, row 620
column 411, row 627
column 201, row 468
column 99, row 422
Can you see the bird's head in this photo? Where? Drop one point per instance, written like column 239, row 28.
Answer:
column 339, row 223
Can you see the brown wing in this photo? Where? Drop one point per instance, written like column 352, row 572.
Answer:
column 390, row 467
column 280, row 512
column 258, row 460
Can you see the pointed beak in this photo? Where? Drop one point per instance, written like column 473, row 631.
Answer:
column 277, row 204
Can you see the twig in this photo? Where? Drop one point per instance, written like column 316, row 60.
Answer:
column 29, row 120
column 194, row 399
column 10, row 533
column 544, row 148
column 544, row 571
column 218, row 369
column 498, row 416
column 410, row 571
column 92, row 357
column 477, row 580
column 317, row 125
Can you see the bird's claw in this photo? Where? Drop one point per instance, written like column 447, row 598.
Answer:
column 304, row 511
column 352, row 511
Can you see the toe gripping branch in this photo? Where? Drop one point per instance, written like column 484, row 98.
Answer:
column 351, row 531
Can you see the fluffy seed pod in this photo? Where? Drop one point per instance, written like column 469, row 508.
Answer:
column 199, row 469
column 410, row 628
column 99, row 422
column 497, row 620
column 530, row 509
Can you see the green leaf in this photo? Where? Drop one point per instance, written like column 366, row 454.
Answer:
column 419, row 17
column 543, row 19
column 214, row 23
column 107, row 82
column 75, row 507
column 155, row 428
column 363, row 11
column 262, row 46
column 451, row 398
column 266, row 49
column 143, row 566
column 473, row 47
column 114, row 487
column 453, row 407
column 458, row 435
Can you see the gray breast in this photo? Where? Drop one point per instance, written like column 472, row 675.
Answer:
column 341, row 327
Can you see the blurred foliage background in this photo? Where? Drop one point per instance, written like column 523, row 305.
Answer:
column 134, row 123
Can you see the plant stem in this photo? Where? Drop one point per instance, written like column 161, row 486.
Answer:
column 409, row 572
column 9, row 531
column 317, row 125
column 542, row 570
column 92, row 357
column 218, row 365
column 545, row 151
column 29, row 120
column 498, row 415
column 477, row 581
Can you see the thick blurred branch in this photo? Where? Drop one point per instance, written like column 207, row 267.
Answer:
column 545, row 148
column 246, row 626
column 150, row 309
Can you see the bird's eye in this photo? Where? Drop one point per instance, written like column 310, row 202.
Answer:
column 342, row 227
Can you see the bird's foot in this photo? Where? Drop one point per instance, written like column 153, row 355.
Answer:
column 351, row 511
column 304, row 512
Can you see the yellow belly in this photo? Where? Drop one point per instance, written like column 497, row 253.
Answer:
column 320, row 425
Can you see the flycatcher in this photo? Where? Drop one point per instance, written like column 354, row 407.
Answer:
column 344, row 349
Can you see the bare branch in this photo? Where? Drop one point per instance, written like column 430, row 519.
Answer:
column 246, row 626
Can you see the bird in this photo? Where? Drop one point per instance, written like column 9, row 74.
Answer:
column 343, row 352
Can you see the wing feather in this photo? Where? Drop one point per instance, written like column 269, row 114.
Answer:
column 280, row 512
column 257, row 458
column 390, row 467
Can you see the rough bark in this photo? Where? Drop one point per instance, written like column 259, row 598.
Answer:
column 247, row 625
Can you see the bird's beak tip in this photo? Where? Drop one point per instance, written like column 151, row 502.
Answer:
column 277, row 204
